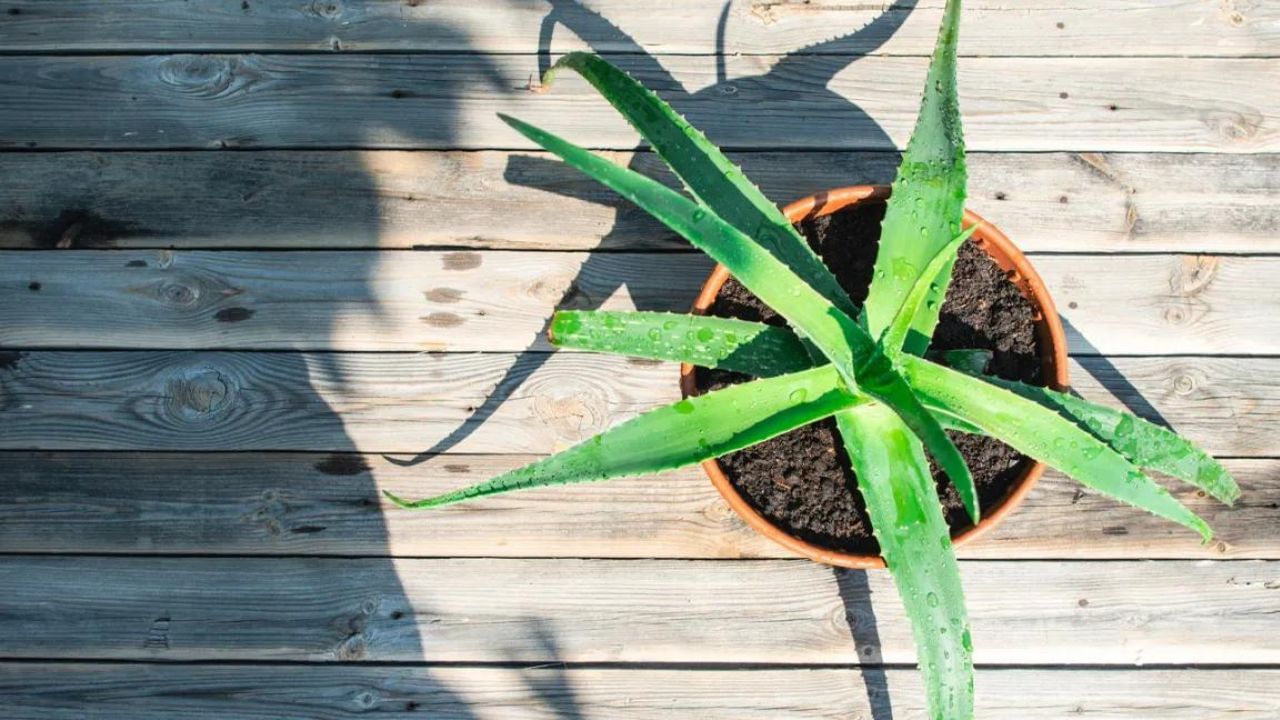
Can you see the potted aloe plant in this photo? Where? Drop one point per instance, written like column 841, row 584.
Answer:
column 869, row 365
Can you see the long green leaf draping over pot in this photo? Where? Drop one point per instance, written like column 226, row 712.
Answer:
column 674, row 436
column 845, row 343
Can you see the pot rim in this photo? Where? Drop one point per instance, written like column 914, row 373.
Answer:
column 1053, row 358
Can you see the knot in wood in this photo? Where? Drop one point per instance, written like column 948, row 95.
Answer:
column 1193, row 274
column 719, row 513
column 197, row 394
column 200, row 75
column 352, row 647
column 1184, row 384
column 366, row 699
column 1235, row 126
column 572, row 414
column 327, row 9
column 176, row 294
column 1180, row 311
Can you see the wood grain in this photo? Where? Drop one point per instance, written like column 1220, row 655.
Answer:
column 1061, row 202
column 498, row 301
column 328, row 504
column 531, row 611
column 990, row 27
column 53, row 691
column 485, row 403
column 450, row 101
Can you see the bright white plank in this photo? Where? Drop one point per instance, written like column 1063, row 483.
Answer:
column 497, row 301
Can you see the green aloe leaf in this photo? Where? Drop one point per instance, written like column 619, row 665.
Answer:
column 743, row 346
column 673, row 436
column 927, row 204
column 844, row 342
column 712, row 178
column 970, row 360
column 894, row 479
column 893, row 474
column 738, row 345
column 1042, row 433
column 1143, row 443
column 891, row 342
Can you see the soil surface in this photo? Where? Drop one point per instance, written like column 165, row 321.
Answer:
column 802, row 481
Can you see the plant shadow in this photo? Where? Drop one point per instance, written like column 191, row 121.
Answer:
column 1106, row 374
column 818, row 65
column 855, row 594
column 311, row 480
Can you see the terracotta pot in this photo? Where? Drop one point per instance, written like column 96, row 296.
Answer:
column 1048, row 330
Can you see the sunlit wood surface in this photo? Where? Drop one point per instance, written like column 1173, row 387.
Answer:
column 257, row 257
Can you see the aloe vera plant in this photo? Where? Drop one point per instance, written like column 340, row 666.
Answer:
column 864, row 366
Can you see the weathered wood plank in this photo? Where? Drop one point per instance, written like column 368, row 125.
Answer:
column 523, row 201
column 450, row 101
column 499, row 301
column 485, row 403
column 991, row 27
column 50, row 691
column 285, row 503
column 768, row 611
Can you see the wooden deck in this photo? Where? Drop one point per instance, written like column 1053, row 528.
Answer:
column 261, row 260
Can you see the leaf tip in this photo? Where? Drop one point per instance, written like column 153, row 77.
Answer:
column 399, row 501
column 549, row 77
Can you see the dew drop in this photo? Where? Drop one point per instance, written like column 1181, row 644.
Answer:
column 798, row 395
column 705, row 334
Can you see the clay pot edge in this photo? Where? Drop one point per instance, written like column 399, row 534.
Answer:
column 1052, row 341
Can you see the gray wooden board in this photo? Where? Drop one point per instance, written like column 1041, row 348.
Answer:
column 563, row 610
column 53, row 691
column 501, row 301
column 1072, row 202
column 450, row 101
column 990, row 27
column 414, row 402
column 329, row 504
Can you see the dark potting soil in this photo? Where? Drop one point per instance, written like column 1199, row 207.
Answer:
column 802, row 480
